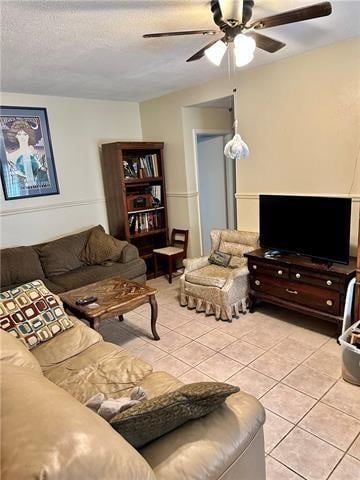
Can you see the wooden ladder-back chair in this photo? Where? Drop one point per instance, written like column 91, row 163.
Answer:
column 176, row 251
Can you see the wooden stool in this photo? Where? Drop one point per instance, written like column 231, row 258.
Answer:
column 177, row 250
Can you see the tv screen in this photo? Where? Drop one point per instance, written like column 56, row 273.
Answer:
column 315, row 226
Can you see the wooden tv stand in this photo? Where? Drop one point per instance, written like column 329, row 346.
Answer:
column 298, row 283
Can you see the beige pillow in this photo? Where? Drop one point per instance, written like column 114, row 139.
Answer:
column 153, row 418
column 101, row 247
column 233, row 248
column 237, row 262
column 32, row 313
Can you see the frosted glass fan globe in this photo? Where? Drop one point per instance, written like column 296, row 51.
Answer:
column 216, row 52
column 244, row 49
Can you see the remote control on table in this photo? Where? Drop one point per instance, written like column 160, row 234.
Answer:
column 86, row 300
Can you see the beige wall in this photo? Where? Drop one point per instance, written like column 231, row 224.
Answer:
column 78, row 127
column 196, row 120
column 173, row 121
column 300, row 118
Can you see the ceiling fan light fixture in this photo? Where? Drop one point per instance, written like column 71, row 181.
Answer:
column 244, row 49
column 216, row 52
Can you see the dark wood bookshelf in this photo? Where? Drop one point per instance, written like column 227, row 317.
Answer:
column 144, row 180
column 148, row 232
column 145, row 226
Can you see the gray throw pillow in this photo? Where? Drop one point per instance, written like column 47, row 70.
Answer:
column 220, row 258
column 101, row 247
column 153, row 418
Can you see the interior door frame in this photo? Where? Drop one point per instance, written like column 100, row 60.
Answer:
column 196, row 132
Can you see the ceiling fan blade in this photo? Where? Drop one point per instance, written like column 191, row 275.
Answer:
column 298, row 15
column 175, row 34
column 201, row 52
column 266, row 43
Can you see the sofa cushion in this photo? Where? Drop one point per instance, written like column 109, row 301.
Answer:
column 155, row 417
column 32, row 313
column 63, row 255
column 56, row 258
column 14, row 352
column 65, row 346
column 103, row 367
column 101, row 247
column 157, row 383
column 94, row 273
column 19, row 265
column 210, row 276
column 47, row 434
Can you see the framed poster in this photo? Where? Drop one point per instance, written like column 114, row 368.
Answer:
column 26, row 156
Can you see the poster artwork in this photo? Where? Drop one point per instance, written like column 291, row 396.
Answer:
column 27, row 163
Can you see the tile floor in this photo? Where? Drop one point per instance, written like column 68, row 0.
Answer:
column 312, row 429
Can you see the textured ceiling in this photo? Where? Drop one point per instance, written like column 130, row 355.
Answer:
column 95, row 49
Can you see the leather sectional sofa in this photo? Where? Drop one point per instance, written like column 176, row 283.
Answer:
column 58, row 265
column 47, row 432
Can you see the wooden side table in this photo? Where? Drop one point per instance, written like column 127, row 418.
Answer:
column 115, row 297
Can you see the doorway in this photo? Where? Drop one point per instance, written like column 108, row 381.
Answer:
column 216, row 185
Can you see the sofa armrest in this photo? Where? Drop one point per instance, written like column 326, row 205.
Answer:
column 191, row 264
column 225, row 444
column 129, row 253
column 236, row 276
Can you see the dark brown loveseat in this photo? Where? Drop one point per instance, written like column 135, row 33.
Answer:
column 58, row 264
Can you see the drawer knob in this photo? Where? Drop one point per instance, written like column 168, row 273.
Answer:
column 293, row 292
column 329, row 303
column 328, row 282
column 280, row 272
column 298, row 275
column 257, row 282
column 254, row 267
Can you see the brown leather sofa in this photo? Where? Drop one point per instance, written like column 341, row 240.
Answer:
column 58, row 265
column 47, row 432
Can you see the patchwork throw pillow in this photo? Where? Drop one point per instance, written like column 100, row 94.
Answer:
column 101, row 247
column 153, row 418
column 32, row 313
column 220, row 258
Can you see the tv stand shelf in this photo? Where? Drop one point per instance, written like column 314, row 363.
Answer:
column 298, row 283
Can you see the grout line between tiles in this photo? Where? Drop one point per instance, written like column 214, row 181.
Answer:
column 287, row 466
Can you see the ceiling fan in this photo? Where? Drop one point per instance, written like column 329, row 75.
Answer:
column 233, row 20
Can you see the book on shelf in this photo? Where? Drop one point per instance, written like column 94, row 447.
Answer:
column 145, row 222
column 141, row 167
column 156, row 194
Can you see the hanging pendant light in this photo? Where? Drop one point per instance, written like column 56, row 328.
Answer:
column 236, row 148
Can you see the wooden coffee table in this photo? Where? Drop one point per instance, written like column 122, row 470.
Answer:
column 115, row 297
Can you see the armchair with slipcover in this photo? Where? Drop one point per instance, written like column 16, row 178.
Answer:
column 217, row 290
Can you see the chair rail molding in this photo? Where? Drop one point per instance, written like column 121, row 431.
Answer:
column 182, row 194
column 55, row 206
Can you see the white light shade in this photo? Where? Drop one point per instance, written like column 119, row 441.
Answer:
column 244, row 49
column 216, row 52
column 236, row 148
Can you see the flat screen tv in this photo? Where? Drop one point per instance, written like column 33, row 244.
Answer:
column 318, row 227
